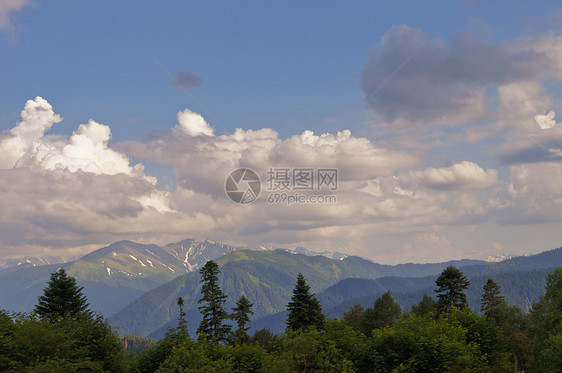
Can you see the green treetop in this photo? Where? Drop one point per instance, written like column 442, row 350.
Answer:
column 212, row 327
column 492, row 297
column 62, row 298
column 304, row 309
column 451, row 285
column 241, row 316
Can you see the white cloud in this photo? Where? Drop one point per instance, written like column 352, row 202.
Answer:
column 37, row 118
column 7, row 7
column 546, row 121
column 87, row 149
column 56, row 189
column 459, row 175
column 193, row 124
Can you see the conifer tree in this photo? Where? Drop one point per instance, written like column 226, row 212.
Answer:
column 492, row 297
column 212, row 327
column 181, row 319
column 241, row 316
column 62, row 298
column 451, row 284
column 304, row 308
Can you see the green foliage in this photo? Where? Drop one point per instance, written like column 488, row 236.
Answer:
column 150, row 359
column 451, row 285
column 425, row 344
column 492, row 297
column 354, row 317
column 263, row 338
column 136, row 345
column 304, row 309
column 425, row 306
column 241, row 316
column 514, row 332
column 62, row 298
column 306, row 350
column 546, row 327
column 202, row 356
column 63, row 335
column 483, row 333
column 353, row 345
column 82, row 343
column 212, row 327
column 385, row 312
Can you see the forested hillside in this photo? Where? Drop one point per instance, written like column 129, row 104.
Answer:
column 266, row 279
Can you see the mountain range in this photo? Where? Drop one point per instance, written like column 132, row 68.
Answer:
column 137, row 285
column 266, row 278
column 111, row 276
column 15, row 264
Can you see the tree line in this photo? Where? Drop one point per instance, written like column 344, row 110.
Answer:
column 435, row 335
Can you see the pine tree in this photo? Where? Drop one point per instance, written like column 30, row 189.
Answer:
column 451, row 284
column 241, row 315
column 304, row 309
column 212, row 327
column 62, row 298
column 492, row 297
column 181, row 319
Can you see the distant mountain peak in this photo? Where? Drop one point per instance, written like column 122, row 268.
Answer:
column 328, row 254
column 194, row 253
column 498, row 258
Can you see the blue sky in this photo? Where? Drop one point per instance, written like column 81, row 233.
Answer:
column 450, row 129
column 289, row 66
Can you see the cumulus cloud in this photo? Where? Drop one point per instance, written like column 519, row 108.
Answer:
column 37, row 118
column 186, row 80
column 71, row 192
column 192, row 124
column 450, row 83
column 459, row 175
column 87, row 149
column 57, row 189
column 7, row 7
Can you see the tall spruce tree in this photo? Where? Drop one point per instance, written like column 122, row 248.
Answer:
column 241, row 315
column 492, row 297
column 304, row 309
column 182, row 323
column 212, row 327
column 62, row 298
column 451, row 285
